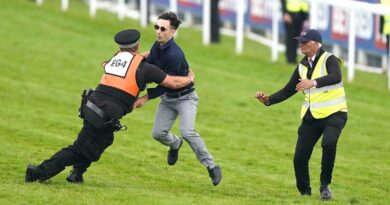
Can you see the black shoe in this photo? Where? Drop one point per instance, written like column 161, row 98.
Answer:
column 215, row 174
column 75, row 176
column 306, row 193
column 32, row 174
column 326, row 194
column 173, row 154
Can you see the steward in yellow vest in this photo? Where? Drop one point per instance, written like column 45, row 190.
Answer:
column 386, row 19
column 295, row 13
column 385, row 23
column 297, row 6
column 324, row 109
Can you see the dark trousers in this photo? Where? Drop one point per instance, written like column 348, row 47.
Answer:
column 308, row 134
column 87, row 148
column 293, row 30
column 82, row 167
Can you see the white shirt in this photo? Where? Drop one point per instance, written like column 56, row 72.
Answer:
column 311, row 60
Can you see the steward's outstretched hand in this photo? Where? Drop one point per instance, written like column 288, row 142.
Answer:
column 262, row 97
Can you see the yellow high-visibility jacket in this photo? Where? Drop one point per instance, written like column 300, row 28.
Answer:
column 386, row 26
column 326, row 100
column 297, row 6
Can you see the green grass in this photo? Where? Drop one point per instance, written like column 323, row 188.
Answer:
column 48, row 57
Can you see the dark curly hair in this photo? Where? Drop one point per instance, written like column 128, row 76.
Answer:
column 172, row 17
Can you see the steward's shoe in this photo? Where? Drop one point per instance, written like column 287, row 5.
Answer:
column 215, row 174
column 173, row 154
column 326, row 194
column 32, row 174
column 75, row 176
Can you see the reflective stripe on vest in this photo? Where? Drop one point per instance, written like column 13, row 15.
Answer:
column 297, row 6
column 326, row 100
column 386, row 25
column 324, row 104
column 120, row 72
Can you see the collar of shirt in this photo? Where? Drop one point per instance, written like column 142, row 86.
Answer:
column 311, row 60
column 305, row 60
column 314, row 57
column 166, row 45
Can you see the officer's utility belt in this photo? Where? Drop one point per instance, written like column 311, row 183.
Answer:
column 97, row 117
column 181, row 93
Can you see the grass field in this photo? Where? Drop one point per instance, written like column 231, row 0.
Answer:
column 47, row 57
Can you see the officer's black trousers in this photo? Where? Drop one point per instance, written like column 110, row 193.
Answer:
column 87, row 148
column 308, row 134
column 293, row 30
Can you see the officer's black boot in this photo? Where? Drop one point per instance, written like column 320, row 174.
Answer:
column 76, row 176
column 32, row 174
column 215, row 174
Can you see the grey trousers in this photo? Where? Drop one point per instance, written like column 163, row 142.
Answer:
column 185, row 107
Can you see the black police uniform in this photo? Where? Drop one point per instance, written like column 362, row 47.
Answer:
column 113, row 103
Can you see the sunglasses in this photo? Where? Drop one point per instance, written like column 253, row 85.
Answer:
column 162, row 28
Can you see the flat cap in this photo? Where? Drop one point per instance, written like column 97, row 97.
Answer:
column 309, row 35
column 127, row 38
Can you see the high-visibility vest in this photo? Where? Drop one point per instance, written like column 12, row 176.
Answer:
column 386, row 26
column 326, row 100
column 297, row 6
column 120, row 72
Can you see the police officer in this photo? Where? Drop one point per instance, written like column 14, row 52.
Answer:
column 295, row 12
column 324, row 110
column 125, row 75
column 175, row 103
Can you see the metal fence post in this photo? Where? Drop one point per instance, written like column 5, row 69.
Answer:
column 275, row 31
column 240, row 26
column 64, row 5
column 351, row 45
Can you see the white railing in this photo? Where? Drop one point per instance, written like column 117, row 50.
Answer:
column 64, row 4
column 352, row 6
column 240, row 21
column 206, row 21
column 144, row 13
